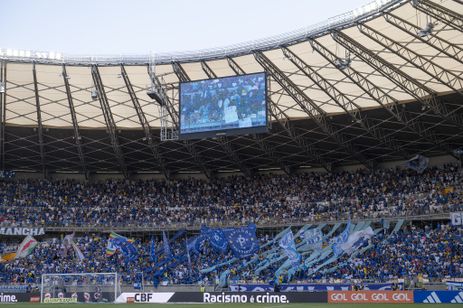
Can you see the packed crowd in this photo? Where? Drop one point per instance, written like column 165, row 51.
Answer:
column 237, row 200
column 434, row 253
column 431, row 252
column 51, row 256
column 426, row 252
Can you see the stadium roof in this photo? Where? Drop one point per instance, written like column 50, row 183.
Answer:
column 383, row 82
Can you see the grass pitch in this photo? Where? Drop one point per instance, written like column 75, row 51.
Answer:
column 299, row 305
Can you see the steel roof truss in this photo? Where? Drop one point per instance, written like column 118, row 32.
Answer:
column 312, row 110
column 421, row 93
column 153, row 145
column 349, row 106
column 39, row 122
column 108, row 116
column 448, row 17
column 449, row 49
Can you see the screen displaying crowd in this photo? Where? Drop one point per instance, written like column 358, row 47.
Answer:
column 224, row 103
column 263, row 199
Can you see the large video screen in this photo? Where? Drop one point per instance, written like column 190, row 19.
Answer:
column 223, row 106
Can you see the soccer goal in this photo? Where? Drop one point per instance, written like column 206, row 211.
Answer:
column 79, row 288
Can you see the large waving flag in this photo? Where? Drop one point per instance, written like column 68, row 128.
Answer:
column 26, row 247
column 200, row 243
column 68, row 239
column 177, row 235
column 188, row 254
column 339, row 240
column 356, row 239
column 68, row 242
column 288, row 245
column 78, row 252
column 129, row 251
column 314, row 238
column 419, row 163
column 191, row 244
column 124, row 245
column 243, row 241
column 113, row 243
column 153, row 251
column 165, row 242
column 216, row 238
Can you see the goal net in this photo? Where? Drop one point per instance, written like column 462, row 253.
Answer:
column 79, row 288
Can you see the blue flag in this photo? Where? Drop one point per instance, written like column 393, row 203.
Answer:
column 339, row 240
column 177, row 234
column 120, row 243
column 188, row 254
column 165, row 242
column 314, row 238
column 288, row 245
column 243, row 241
column 198, row 244
column 216, row 238
column 153, row 251
column 419, row 163
column 191, row 244
column 129, row 251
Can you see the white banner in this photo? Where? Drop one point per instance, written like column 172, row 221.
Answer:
column 22, row 231
column 456, row 218
column 158, row 297
column 356, row 239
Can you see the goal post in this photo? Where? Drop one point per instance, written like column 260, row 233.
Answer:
column 79, row 288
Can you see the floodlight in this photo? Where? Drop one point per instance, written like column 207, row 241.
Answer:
column 153, row 94
column 94, row 94
column 458, row 152
column 342, row 63
column 427, row 30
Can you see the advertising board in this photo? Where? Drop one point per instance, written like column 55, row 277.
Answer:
column 369, row 297
column 225, row 297
column 9, row 297
column 439, row 297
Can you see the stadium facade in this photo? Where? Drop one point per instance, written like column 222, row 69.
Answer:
column 372, row 87
column 377, row 84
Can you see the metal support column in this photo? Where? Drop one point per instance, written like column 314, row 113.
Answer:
column 152, row 143
column 2, row 113
column 109, row 120
column 39, row 123
column 75, row 124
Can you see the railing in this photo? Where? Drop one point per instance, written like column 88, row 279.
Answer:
column 341, row 21
column 261, row 225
